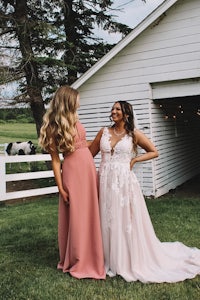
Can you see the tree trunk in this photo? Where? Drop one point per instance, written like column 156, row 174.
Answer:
column 70, row 33
column 29, row 65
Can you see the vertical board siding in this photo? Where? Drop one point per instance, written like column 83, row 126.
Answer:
column 167, row 50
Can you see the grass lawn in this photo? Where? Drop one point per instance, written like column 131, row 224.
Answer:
column 13, row 132
column 29, row 254
column 29, row 250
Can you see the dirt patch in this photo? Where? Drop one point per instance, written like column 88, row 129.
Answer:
column 191, row 188
column 22, row 185
column 14, row 186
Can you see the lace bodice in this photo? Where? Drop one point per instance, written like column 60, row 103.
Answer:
column 115, row 175
column 121, row 153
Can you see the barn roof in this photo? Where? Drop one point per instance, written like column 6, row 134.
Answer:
column 152, row 17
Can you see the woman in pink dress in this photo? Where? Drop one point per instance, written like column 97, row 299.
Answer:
column 131, row 247
column 79, row 234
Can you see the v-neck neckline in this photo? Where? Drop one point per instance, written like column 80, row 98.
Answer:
column 112, row 148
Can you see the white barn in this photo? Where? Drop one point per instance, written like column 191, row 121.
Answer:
column 157, row 69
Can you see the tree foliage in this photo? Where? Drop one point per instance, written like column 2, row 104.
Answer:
column 51, row 44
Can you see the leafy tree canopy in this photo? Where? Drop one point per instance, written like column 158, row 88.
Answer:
column 46, row 44
column 60, row 36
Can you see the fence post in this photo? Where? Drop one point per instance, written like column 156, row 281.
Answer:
column 3, row 179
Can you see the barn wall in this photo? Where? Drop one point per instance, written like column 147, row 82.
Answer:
column 167, row 50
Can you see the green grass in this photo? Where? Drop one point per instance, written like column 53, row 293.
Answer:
column 12, row 132
column 29, row 251
column 29, row 254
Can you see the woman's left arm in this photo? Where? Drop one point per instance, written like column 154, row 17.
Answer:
column 147, row 145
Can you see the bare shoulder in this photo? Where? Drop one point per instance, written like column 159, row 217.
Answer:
column 143, row 141
column 99, row 134
column 138, row 134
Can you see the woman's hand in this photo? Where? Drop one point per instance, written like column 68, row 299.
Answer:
column 132, row 163
column 64, row 195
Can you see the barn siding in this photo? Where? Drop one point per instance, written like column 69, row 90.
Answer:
column 167, row 50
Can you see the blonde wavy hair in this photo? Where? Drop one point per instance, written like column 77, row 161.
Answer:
column 58, row 129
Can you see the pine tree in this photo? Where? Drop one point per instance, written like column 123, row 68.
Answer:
column 54, row 42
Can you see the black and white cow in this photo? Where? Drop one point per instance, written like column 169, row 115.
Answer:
column 21, row 148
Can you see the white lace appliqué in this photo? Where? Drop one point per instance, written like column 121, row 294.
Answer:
column 115, row 177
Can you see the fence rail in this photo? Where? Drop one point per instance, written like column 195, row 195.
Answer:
column 4, row 178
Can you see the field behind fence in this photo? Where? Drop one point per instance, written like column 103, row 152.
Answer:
column 7, row 162
column 19, row 174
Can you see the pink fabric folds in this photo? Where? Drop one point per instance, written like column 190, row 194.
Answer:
column 79, row 233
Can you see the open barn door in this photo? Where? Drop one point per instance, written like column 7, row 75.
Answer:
column 176, row 130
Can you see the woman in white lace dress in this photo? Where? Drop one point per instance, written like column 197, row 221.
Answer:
column 131, row 247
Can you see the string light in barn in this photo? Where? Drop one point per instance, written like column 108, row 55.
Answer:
column 183, row 111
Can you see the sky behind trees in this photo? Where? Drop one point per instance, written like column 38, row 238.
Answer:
column 129, row 12
column 132, row 12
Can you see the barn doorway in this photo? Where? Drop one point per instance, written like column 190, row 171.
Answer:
column 184, row 109
column 177, row 132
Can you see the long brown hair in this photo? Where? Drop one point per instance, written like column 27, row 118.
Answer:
column 59, row 121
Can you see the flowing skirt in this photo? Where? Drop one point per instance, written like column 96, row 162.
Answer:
column 131, row 248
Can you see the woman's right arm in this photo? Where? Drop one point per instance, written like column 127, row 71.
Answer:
column 56, row 166
column 147, row 145
column 94, row 147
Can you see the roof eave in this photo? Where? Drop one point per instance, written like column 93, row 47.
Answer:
column 154, row 15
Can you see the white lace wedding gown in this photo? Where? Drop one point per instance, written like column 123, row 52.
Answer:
column 131, row 247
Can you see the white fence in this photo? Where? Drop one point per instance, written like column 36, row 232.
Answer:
column 3, row 148
column 4, row 178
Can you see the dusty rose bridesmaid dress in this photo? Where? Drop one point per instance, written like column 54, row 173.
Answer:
column 79, row 233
